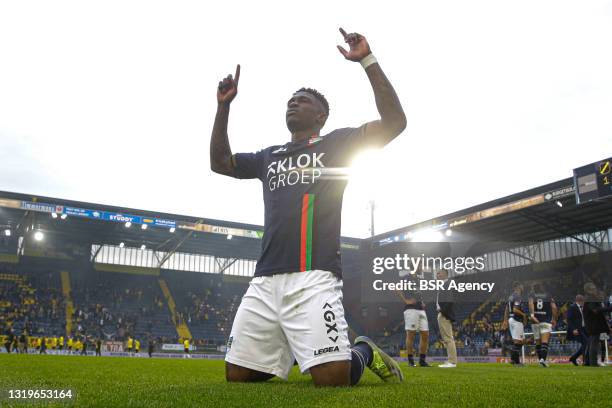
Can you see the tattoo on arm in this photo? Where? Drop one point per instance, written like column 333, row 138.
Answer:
column 392, row 117
column 220, row 151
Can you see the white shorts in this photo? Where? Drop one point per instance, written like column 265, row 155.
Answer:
column 291, row 315
column 540, row 328
column 517, row 330
column 416, row 320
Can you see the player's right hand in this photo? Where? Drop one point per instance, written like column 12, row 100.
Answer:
column 228, row 87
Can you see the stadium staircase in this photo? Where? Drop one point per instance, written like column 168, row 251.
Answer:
column 181, row 327
column 480, row 310
column 65, row 278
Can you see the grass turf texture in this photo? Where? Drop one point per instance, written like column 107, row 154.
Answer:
column 140, row 382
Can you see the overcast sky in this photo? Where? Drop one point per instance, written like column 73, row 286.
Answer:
column 113, row 102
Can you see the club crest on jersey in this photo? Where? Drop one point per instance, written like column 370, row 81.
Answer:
column 280, row 150
column 289, row 171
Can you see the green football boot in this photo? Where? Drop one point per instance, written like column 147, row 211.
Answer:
column 382, row 364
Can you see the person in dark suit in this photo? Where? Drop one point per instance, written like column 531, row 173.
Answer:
column 595, row 320
column 576, row 330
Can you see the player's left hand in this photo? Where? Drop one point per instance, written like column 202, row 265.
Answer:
column 358, row 46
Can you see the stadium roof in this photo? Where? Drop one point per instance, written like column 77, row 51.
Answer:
column 103, row 224
column 544, row 213
column 540, row 214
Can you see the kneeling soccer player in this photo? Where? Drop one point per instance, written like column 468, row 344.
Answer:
column 293, row 307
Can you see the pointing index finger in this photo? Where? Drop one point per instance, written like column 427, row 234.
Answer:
column 237, row 76
column 343, row 33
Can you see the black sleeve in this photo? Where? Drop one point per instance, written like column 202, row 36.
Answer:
column 446, row 309
column 248, row 165
column 445, row 295
column 571, row 319
column 351, row 141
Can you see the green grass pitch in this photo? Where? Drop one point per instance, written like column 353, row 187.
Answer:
column 140, row 382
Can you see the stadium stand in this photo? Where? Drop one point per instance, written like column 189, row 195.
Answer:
column 31, row 302
column 94, row 276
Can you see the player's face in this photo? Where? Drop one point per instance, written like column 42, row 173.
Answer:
column 304, row 112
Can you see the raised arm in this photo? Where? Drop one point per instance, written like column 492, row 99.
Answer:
column 220, row 151
column 504, row 325
column 392, row 118
column 401, row 296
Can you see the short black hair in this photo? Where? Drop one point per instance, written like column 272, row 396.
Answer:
column 317, row 95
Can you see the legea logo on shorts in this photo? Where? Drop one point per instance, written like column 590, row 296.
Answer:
column 326, row 350
column 303, row 169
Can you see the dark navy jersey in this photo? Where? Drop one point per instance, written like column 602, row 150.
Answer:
column 542, row 307
column 303, row 184
column 415, row 297
column 415, row 306
column 515, row 301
